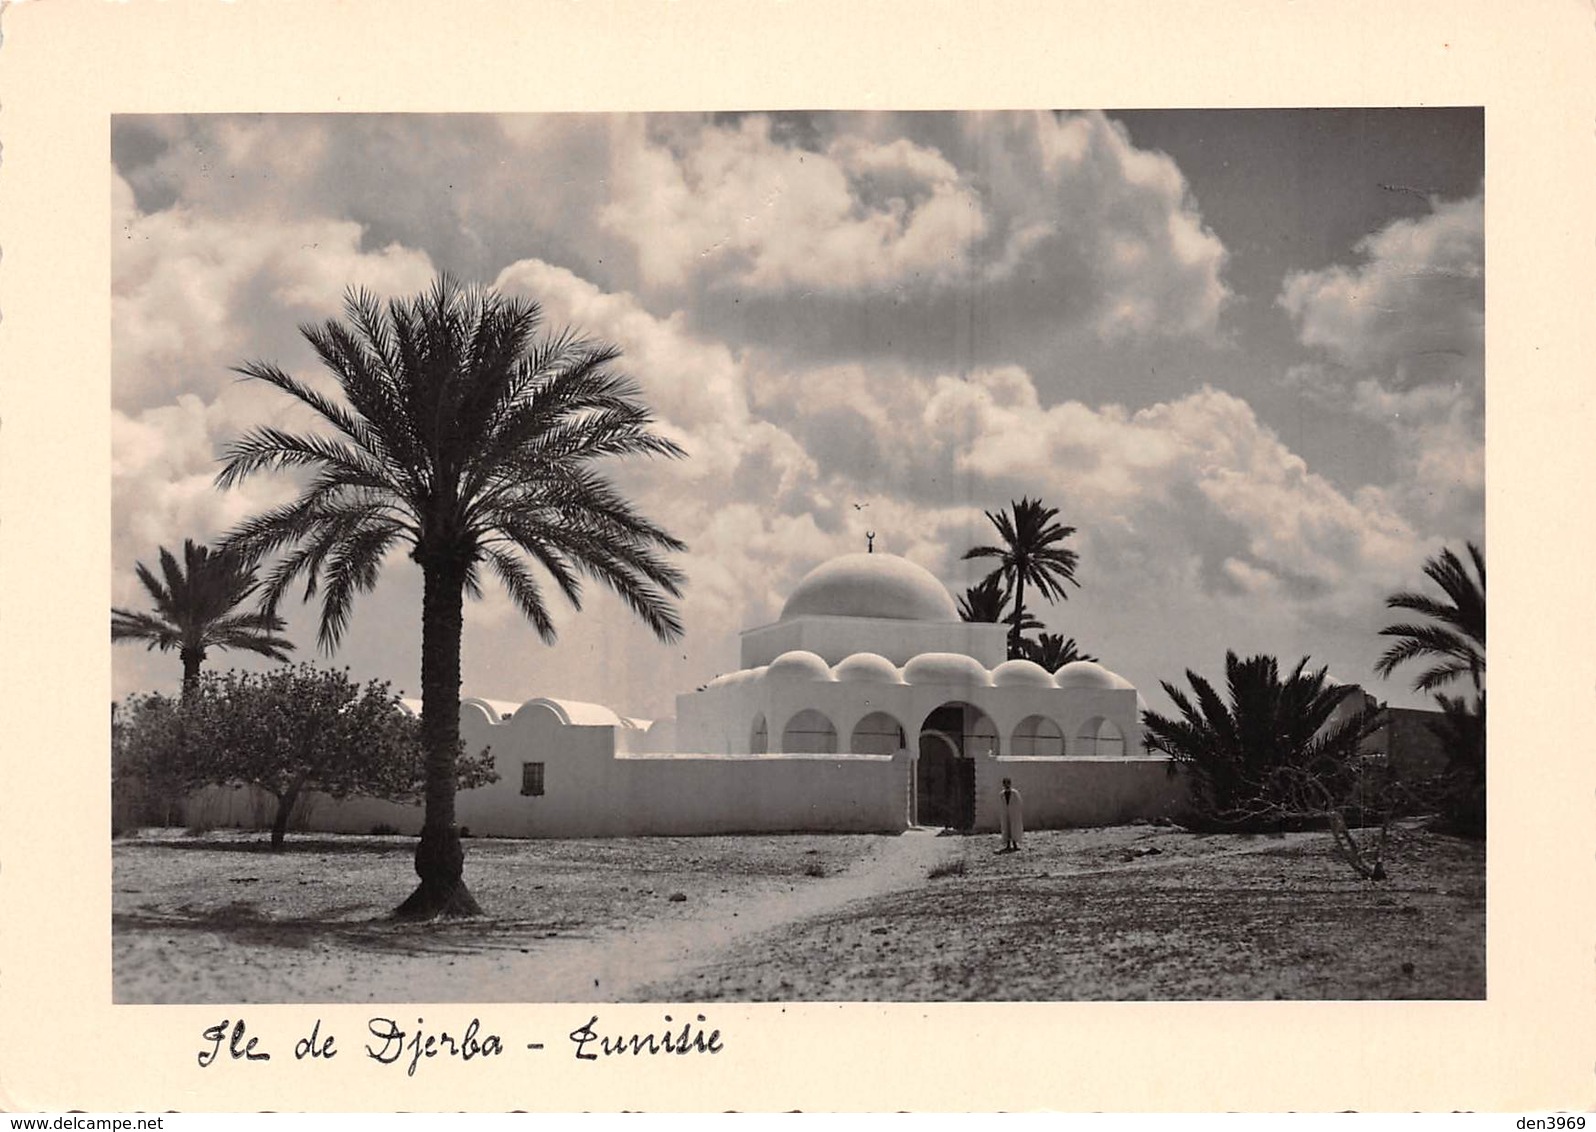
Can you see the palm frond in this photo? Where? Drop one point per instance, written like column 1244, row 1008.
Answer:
column 524, row 591
column 1456, row 639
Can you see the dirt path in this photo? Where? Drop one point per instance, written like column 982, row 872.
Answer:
column 615, row 966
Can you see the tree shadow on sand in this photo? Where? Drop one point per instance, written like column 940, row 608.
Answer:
column 373, row 847
column 244, row 922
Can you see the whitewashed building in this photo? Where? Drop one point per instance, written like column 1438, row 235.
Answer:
column 867, row 706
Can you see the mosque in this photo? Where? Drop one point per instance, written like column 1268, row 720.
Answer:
column 868, row 706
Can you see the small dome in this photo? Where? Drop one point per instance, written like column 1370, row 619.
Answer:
column 946, row 668
column 1121, row 683
column 799, row 664
column 572, row 713
column 1022, row 674
column 867, row 668
column 1087, row 674
column 871, row 585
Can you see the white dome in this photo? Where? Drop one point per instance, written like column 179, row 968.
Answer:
column 1022, row 674
column 799, row 664
column 871, row 585
column 1087, row 674
column 867, row 668
column 946, row 668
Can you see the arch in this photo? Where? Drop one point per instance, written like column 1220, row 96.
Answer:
column 968, row 724
column 810, row 732
column 759, row 738
column 877, row 734
column 1100, row 737
column 1038, row 735
column 951, row 738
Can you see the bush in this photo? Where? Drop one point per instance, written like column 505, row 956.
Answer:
column 947, row 869
column 290, row 732
column 1461, row 729
column 1274, row 758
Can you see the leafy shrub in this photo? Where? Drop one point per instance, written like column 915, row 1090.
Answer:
column 1461, row 729
column 290, row 732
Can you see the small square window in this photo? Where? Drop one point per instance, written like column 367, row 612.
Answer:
column 531, row 778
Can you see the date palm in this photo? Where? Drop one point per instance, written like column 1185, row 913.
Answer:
column 1053, row 651
column 1454, row 638
column 1030, row 553
column 196, row 610
column 1250, row 758
column 478, row 443
column 985, row 601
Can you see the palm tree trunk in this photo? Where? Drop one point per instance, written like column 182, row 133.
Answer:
column 1019, row 616
column 440, row 859
column 192, row 659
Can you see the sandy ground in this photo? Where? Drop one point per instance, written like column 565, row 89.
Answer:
column 1128, row 913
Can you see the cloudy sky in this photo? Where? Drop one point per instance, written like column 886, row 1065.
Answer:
column 1241, row 351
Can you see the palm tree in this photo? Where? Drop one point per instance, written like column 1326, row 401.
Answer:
column 1254, row 759
column 476, row 443
column 194, row 610
column 1030, row 554
column 1454, row 641
column 1457, row 633
column 1053, row 651
column 985, row 601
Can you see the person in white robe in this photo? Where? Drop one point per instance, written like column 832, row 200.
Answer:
column 1012, row 817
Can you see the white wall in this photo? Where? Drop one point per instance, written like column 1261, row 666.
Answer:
column 593, row 790
column 1066, row 792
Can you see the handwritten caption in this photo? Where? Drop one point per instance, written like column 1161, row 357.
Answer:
column 389, row 1043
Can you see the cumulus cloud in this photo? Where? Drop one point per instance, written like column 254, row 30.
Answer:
column 768, row 214
column 475, row 190
column 1413, row 309
column 1401, row 341
column 1198, row 480
column 1085, row 212
column 192, row 293
column 827, row 312
column 1051, row 215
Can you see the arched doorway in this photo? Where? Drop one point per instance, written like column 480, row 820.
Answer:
column 951, row 738
column 937, row 781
